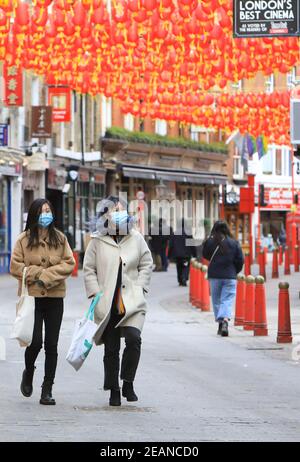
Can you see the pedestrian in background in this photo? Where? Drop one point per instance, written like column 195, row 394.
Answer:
column 160, row 236
column 118, row 262
column 225, row 262
column 181, row 249
column 46, row 254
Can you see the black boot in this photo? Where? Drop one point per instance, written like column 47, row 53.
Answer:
column 224, row 330
column 128, row 391
column 46, row 397
column 26, row 384
column 115, row 398
column 220, row 328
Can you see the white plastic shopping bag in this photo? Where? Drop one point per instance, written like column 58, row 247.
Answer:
column 82, row 340
column 24, row 322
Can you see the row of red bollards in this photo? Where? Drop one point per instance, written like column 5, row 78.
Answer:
column 279, row 256
column 199, row 286
column 250, row 306
column 251, row 310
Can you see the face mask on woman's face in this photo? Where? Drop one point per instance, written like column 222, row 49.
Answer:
column 45, row 219
column 120, row 217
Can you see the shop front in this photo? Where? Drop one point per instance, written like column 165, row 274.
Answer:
column 10, row 203
column 191, row 178
column 274, row 214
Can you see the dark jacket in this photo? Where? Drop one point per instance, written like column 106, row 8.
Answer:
column 178, row 247
column 228, row 260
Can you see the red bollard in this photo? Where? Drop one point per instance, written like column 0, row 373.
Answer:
column 247, row 264
column 284, row 334
column 275, row 271
column 205, row 290
column 240, row 301
column 249, row 303
column 262, row 264
column 75, row 270
column 280, row 255
column 260, row 319
column 198, row 291
column 266, row 255
column 192, row 280
column 287, row 269
column 296, row 259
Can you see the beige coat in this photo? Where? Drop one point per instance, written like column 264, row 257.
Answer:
column 44, row 263
column 101, row 265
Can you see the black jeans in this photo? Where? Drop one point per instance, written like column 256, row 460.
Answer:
column 49, row 311
column 182, row 265
column 131, row 354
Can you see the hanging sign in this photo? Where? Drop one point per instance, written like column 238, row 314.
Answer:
column 41, row 122
column 60, row 100
column 266, row 18
column 13, row 85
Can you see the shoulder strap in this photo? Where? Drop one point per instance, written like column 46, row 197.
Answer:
column 215, row 251
column 24, row 290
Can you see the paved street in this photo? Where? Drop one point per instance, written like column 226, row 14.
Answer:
column 192, row 384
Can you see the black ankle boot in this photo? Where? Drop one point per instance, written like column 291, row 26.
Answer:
column 26, row 384
column 46, row 397
column 115, row 398
column 220, row 328
column 128, row 391
column 224, row 330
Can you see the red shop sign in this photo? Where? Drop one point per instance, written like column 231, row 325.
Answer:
column 247, row 200
column 60, row 100
column 13, row 85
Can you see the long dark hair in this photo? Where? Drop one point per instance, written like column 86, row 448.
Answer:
column 220, row 231
column 32, row 225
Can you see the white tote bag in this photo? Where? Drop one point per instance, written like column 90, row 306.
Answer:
column 82, row 340
column 24, row 322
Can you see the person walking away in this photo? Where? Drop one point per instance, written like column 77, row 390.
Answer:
column 226, row 260
column 118, row 262
column 181, row 249
column 46, row 254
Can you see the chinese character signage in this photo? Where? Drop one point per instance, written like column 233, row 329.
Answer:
column 266, row 18
column 3, row 135
column 60, row 100
column 41, row 122
column 13, row 85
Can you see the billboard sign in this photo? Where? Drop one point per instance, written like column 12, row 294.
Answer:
column 266, row 18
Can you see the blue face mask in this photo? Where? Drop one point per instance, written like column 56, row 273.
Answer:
column 120, row 218
column 45, row 219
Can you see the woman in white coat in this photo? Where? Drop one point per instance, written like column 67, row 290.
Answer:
column 118, row 262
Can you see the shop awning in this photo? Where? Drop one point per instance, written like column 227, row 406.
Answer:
column 11, row 161
column 180, row 176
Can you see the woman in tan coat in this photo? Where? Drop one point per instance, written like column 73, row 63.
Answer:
column 118, row 262
column 48, row 259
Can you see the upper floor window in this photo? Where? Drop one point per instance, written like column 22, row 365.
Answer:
column 129, row 122
column 161, row 127
column 106, row 113
column 269, row 83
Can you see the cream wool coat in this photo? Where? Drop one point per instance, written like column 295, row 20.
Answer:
column 101, row 265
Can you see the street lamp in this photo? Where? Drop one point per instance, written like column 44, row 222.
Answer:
column 73, row 177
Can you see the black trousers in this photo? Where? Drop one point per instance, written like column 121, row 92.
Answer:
column 182, row 265
column 131, row 354
column 48, row 311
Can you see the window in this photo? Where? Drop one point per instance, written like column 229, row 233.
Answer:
column 238, row 169
column 267, row 163
column 106, row 113
column 129, row 122
column 269, row 83
column 278, row 157
column 161, row 127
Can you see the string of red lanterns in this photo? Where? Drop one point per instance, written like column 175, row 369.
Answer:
column 156, row 56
